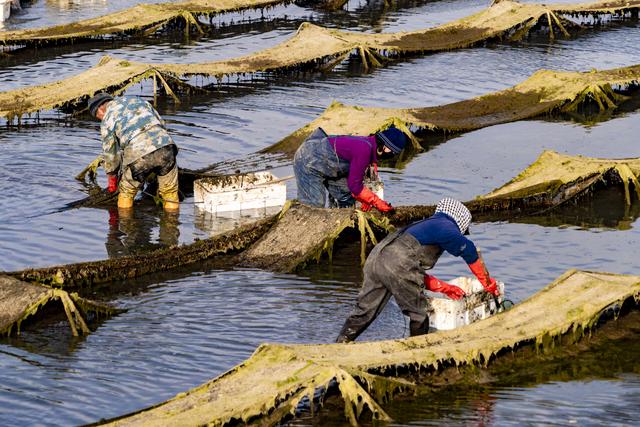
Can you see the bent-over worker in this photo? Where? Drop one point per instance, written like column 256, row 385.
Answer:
column 135, row 144
column 396, row 266
column 338, row 163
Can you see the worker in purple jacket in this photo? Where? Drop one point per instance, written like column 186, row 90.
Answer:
column 396, row 266
column 338, row 164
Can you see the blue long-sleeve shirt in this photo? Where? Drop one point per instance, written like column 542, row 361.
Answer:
column 440, row 229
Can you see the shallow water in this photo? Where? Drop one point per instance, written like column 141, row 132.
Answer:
column 184, row 328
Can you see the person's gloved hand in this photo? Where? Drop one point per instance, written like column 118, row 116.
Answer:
column 112, row 183
column 369, row 197
column 436, row 285
column 480, row 271
column 365, row 207
column 493, row 287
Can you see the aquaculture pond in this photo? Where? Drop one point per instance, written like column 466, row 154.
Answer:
column 181, row 328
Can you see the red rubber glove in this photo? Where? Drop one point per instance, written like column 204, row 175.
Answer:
column 436, row 285
column 365, row 207
column 369, row 197
column 480, row 271
column 112, row 183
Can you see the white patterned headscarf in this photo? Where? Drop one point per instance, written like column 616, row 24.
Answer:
column 457, row 211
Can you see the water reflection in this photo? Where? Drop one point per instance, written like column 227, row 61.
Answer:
column 131, row 231
column 605, row 208
column 74, row 4
column 216, row 223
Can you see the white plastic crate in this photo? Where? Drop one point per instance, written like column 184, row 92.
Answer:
column 229, row 194
column 445, row 313
column 5, row 10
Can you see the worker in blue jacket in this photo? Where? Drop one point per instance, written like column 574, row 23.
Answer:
column 396, row 266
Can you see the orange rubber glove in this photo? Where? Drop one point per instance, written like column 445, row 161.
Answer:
column 112, row 183
column 436, row 285
column 480, row 271
column 368, row 197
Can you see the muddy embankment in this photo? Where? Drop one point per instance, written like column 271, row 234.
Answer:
column 20, row 300
column 314, row 47
column 139, row 19
column 270, row 385
column 552, row 181
column 573, row 357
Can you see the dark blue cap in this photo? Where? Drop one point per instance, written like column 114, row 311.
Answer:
column 97, row 100
column 393, row 138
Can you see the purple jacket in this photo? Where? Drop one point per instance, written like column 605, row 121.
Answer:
column 360, row 152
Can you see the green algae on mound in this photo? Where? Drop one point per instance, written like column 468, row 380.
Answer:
column 145, row 18
column 318, row 47
column 277, row 377
column 20, row 300
column 544, row 92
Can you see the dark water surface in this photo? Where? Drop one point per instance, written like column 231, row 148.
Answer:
column 183, row 328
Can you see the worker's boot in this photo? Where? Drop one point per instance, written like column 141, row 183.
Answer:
column 168, row 190
column 171, row 202
column 124, row 201
column 348, row 333
column 418, row 328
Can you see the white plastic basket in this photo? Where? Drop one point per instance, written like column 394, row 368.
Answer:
column 445, row 313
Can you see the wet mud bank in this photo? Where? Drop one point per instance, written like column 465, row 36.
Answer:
column 300, row 234
column 140, row 19
column 21, row 301
column 269, row 386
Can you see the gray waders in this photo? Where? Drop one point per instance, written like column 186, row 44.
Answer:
column 394, row 267
column 318, row 169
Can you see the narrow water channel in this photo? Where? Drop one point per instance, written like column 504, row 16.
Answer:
column 183, row 328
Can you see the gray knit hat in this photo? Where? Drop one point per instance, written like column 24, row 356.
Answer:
column 456, row 210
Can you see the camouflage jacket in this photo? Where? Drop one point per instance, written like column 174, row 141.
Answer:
column 130, row 129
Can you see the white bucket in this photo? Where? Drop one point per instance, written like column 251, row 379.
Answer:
column 445, row 313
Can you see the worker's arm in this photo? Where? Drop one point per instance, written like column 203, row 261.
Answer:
column 479, row 269
column 360, row 156
column 458, row 245
column 436, row 285
column 110, row 148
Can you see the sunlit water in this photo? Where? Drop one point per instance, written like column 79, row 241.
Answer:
column 181, row 329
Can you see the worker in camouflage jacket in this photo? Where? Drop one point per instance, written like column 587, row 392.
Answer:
column 398, row 267
column 135, row 144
